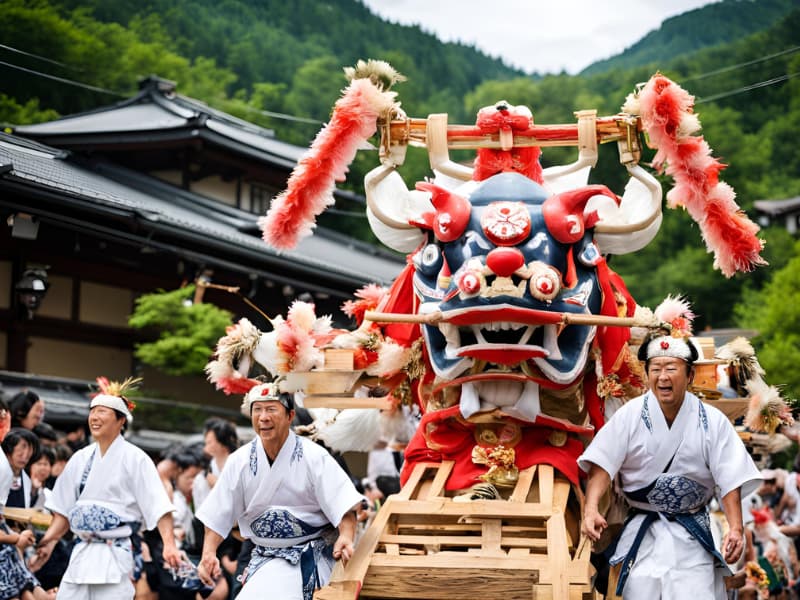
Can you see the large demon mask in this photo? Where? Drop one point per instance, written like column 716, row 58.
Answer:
column 502, row 267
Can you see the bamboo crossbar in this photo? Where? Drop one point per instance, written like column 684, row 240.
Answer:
column 413, row 131
column 563, row 318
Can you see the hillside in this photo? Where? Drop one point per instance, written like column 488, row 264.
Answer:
column 712, row 25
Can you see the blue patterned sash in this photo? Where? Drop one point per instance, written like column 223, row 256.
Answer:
column 276, row 523
column 89, row 520
column 679, row 499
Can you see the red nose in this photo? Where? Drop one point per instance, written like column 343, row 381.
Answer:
column 504, row 261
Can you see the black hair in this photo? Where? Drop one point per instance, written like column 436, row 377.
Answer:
column 20, row 405
column 45, row 432
column 62, row 452
column 287, row 400
column 121, row 415
column 184, row 456
column 16, row 435
column 46, row 452
column 388, row 484
column 224, row 431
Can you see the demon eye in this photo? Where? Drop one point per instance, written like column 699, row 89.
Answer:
column 429, row 260
column 545, row 283
column 470, row 283
column 430, row 255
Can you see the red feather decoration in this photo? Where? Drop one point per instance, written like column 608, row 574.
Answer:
column 667, row 116
column 310, row 188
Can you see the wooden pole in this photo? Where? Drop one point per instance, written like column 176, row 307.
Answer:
column 564, row 318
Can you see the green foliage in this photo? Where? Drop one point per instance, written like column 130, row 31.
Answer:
column 774, row 312
column 683, row 35
column 187, row 333
column 12, row 111
column 248, row 57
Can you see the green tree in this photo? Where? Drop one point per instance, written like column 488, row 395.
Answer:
column 186, row 333
column 774, row 312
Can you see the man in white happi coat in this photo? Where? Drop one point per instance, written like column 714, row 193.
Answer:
column 290, row 498
column 671, row 454
column 105, row 493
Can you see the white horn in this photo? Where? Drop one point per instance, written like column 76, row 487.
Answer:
column 635, row 222
column 438, row 154
column 390, row 206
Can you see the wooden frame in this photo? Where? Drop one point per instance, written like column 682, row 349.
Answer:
column 423, row 544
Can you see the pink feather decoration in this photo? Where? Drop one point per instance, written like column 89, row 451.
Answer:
column 667, row 116
column 310, row 188
column 676, row 311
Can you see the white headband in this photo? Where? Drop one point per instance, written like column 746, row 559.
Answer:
column 669, row 346
column 114, row 402
column 264, row 392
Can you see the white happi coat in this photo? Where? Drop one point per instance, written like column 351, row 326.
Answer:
column 702, row 445
column 304, row 480
column 124, row 481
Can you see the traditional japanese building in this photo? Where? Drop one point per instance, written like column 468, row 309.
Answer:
column 144, row 195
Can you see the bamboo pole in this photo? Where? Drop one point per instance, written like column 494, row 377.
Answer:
column 563, row 318
column 413, row 131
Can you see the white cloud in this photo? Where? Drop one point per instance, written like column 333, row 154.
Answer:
column 535, row 35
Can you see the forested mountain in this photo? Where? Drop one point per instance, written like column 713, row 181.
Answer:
column 258, row 59
column 712, row 25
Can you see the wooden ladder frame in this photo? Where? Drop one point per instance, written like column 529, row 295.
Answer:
column 422, row 544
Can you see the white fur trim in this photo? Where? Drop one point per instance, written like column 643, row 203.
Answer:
column 668, row 346
column 264, row 392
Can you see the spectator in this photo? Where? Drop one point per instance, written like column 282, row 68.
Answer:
column 46, row 434
column 5, row 419
column 62, row 454
column 27, row 410
column 220, row 440
column 39, row 470
column 19, row 446
column 16, row 581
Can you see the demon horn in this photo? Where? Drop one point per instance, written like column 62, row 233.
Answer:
column 563, row 213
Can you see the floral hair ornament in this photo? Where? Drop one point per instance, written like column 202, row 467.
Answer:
column 112, row 395
column 676, row 314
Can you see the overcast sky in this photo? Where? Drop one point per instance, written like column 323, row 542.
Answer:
column 545, row 36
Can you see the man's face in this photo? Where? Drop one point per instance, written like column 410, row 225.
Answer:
column 668, row 380
column 271, row 422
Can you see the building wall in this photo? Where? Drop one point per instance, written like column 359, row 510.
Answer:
column 58, row 358
column 215, row 187
column 5, row 282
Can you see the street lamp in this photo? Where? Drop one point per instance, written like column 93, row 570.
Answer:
column 31, row 289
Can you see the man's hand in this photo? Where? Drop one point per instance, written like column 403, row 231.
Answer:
column 171, row 555
column 43, row 551
column 593, row 523
column 25, row 539
column 209, row 570
column 343, row 548
column 732, row 545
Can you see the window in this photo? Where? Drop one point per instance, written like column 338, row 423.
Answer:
column 260, row 198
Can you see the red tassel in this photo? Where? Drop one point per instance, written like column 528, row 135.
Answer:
column 666, row 111
column 310, row 188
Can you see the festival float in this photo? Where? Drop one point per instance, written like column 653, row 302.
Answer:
column 507, row 330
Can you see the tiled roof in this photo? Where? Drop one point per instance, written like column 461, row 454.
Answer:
column 158, row 111
column 195, row 221
column 777, row 208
